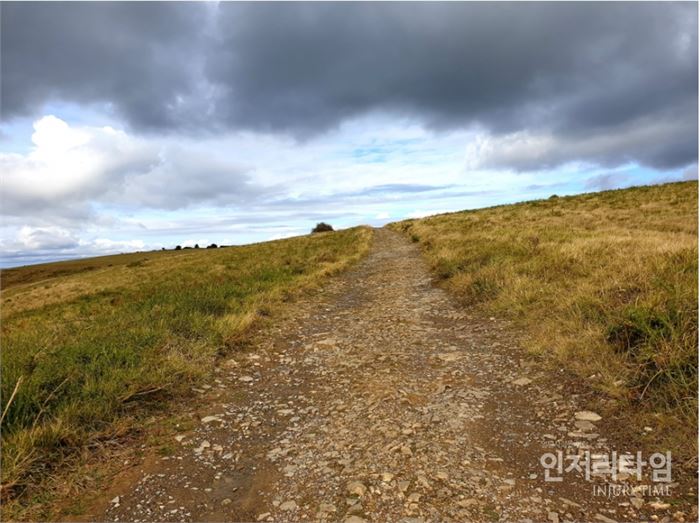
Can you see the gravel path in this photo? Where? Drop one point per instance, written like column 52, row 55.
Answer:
column 381, row 400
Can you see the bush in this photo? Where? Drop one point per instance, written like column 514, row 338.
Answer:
column 322, row 227
column 212, row 246
column 178, row 248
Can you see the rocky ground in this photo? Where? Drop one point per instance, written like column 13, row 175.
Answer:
column 382, row 400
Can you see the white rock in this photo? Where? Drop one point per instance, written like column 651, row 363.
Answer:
column 604, row 519
column 288, row 506
column 585, row 426
column 521, row 381
column 587, row 415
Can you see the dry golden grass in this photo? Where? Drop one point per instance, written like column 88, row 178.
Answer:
column 605, row 283
column 90, row 346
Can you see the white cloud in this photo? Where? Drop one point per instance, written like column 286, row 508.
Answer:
column 423, row 214
column 67, row 167
column 529, row 151
column 690, row 173
column 81, row 189
column 283, row 235
column 45, row 238
column 37, row 244
column 71, row 169
column 107, row 245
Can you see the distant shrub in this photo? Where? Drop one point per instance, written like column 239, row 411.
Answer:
column 196, row 246
column 212, row 246
column 178, row 248
column 554, row 197
column 322, row 227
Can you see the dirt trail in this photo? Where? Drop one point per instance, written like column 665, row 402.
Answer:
column 379, row 400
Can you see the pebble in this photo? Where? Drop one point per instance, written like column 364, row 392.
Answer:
column 356, row 488
column 288, row 506
column 326, row 508
column 587, row 415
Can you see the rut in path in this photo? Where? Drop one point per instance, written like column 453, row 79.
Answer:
column 380, row 399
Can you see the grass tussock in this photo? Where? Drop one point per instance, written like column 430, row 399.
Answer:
column 89, row 346
column 606, row 283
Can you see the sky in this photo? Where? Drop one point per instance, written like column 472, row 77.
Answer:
column 136, row 126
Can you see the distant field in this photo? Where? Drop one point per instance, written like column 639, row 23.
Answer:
column 87, row 343
column 606, row 283
column 43, row 271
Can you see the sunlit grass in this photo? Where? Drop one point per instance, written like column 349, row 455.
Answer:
column 605, row 283
column 88, row 345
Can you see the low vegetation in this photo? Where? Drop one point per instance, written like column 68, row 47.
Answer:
column 322, row 227
column 605, row 283
column 91, row 345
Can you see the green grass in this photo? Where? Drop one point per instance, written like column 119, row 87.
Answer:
column 604, row 283
column 89, row 346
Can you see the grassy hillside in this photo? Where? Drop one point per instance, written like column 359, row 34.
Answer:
column 606, row 283
column 87, row 344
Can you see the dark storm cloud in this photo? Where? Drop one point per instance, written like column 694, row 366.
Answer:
column 575, row 71
column 141, row 57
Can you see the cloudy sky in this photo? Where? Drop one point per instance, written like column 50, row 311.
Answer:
column 129, row 126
